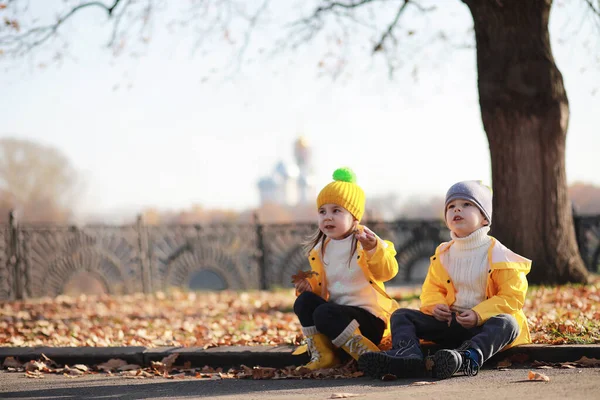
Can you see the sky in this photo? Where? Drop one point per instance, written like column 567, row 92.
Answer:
column 174, row 127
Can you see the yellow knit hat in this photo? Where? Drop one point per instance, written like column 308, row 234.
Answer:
column 344, row 192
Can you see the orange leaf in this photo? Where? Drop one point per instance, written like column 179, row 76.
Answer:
column 301, row 275
column 534, row 376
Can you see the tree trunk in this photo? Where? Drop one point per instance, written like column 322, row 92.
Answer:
column 525, row 113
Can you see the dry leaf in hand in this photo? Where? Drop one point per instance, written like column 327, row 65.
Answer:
column 301, row 275
column 534, row 376
column 343, row 395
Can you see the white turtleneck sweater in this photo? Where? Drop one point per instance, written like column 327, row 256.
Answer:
column 347, row 282
column 467, row 264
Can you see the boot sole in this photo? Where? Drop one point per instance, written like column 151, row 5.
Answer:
column 445, row 364
column 377, row 365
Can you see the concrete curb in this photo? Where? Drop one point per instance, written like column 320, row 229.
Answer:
column 265, row 356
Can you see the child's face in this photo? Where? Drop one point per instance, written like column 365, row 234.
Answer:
column 335, row 221
column 463, row 217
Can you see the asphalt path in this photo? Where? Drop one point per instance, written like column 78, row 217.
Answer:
column 512, row 384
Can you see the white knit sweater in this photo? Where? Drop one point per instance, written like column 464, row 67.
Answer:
column 467, row 264
column 347, row 282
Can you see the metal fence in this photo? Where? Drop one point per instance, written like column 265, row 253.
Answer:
column 38, row 261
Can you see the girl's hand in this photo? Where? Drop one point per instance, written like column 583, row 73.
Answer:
column 467, row 319
column 367, row 238
column 303, row 286
column 442, row 313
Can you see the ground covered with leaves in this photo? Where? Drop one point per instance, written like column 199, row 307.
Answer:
column 556, row 315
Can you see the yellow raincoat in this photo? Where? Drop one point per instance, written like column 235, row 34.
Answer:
column 505, row 289
column 378, row 266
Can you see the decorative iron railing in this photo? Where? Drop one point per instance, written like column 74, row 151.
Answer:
column 40, row 261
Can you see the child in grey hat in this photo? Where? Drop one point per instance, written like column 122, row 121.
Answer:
column 471, row 300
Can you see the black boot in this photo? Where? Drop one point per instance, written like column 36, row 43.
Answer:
column 404, row 361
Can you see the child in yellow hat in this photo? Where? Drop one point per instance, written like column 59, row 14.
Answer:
column 343, row 302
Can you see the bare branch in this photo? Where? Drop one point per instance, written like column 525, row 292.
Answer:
column 388, row 32
column 334, row 4
column 118, row 22
column 46, row 32
column 593, row 7
column 252, row 20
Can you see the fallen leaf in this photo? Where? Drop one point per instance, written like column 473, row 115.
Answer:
column 422, row 383
column 534, row 376
column 588, row 362
column 73, row 371
column 48, row 361
column 12, row 362
column 176, row 376
column 263, row 373
column 344, row 395
column 389, row 377
column 132, row 374
column 170, row 359
column 568, row 366
column 128, row 367
column 35, row 366
column 34, row 374
column 111, row 364
column 538, row 364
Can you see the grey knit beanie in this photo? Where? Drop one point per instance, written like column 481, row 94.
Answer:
column 474, row 191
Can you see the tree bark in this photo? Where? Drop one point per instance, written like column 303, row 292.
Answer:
column 525, row 114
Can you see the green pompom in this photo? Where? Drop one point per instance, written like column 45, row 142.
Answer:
column 345, row 175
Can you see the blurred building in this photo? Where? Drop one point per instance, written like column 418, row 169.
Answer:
column 290, row 184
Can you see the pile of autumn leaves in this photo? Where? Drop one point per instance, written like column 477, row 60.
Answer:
column 557, row 315
column 169, row 369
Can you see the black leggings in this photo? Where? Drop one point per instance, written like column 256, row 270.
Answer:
column 331, row 319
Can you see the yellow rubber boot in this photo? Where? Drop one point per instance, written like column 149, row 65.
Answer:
column 322, row 352
column 357, row 345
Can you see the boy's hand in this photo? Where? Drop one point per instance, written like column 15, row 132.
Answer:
column 367, row 238
column 442, row 313
column 303, row 286
column 467, row 319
